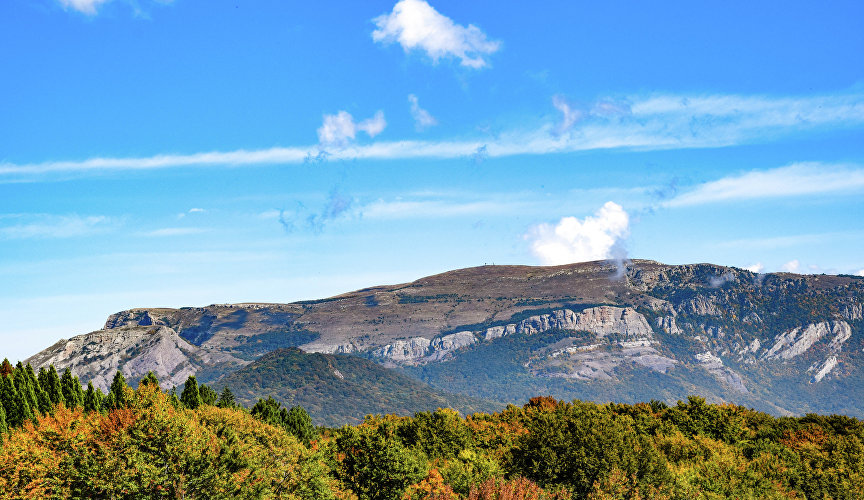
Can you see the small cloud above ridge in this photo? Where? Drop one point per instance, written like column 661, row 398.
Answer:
column 415, row 24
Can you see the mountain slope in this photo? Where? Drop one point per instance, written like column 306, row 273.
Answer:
column 339, row 389
column 783, row 342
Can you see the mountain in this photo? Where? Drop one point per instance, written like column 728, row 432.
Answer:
column 339, row 389
column 632, row 331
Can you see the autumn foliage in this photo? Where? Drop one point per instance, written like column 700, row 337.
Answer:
column 58, row 441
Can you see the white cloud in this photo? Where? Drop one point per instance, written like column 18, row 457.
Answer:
column 422, row 118
column 339, row 130
column 54, row 226
column 373, row 126
column 573, row 240
column 794, row 180
column 88, row 7
column 860, row 273
column 569, row 115
column 755, row 268
column 793, row 266
column 653, row 124
column 417, row 25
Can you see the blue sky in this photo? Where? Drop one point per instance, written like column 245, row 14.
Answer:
column 172, row 153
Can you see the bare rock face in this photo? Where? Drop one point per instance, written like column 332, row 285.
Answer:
column 404, row 350
column 796, row 341
column 134, row 350
column 601, row 321
column 714, row 365
column 824, row 369
column 668, row 325
column 854, row 312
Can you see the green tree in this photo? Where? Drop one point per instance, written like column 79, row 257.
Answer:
column 25, row 389
column 118, row 397
column 3, row 427
column 92, row 399
column 267, row 411
column 45, row 404
column 50, row 382
column 441, row 434
column 71, row 387
column 17, row 409
column 299, row 423
column 376, row 465
column 149, row 379
column 208, row 395
column 191, row 396
column 226, row 399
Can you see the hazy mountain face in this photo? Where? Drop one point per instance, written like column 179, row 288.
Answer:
column 778, row 342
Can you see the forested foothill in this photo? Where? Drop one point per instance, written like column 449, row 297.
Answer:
column 59, row 440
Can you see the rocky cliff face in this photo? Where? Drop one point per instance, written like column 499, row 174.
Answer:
column 780, row 342
column 134, row 350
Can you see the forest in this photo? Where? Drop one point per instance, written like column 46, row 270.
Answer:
column 60, row 440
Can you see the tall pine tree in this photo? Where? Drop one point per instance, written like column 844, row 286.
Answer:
column 17, row 409
column 3, row 427
column 92, row 399
column 149, row 379
column 71, row 389
column 118, row 397
column 43, row 403
column 226, row 399
column 191, row 396
column 25, row 390
column 50, row 382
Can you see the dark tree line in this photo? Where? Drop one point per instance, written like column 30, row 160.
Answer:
column 25, row 395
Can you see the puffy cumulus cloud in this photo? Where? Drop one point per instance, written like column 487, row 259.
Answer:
column 860, row 273
column 422, row 118
column 793, row 266
column 88, row 7
column 415, row 24
column 340, row 130
column 596, row 237
column 755, row 268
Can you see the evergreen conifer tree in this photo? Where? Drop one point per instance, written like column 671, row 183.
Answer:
column 149, row 379
column 43, row 404
column 191, row 396
column 8, row 398
column 50, row 382
column 117, row 396
column 25, row 390
column 299, row 423
column 226, row 399
column 6, row 368
column 208, row 395
column 17, row 409
column 92, row 399
column 71, row 388
column 3, row 427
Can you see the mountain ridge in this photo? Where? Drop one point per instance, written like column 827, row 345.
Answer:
column 782, row 342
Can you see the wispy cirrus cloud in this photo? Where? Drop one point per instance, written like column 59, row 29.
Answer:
column 416, row 25
column 793, row 180
column 651, row 123
column 27, row 226
column 91, row 7
column 422, row 118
